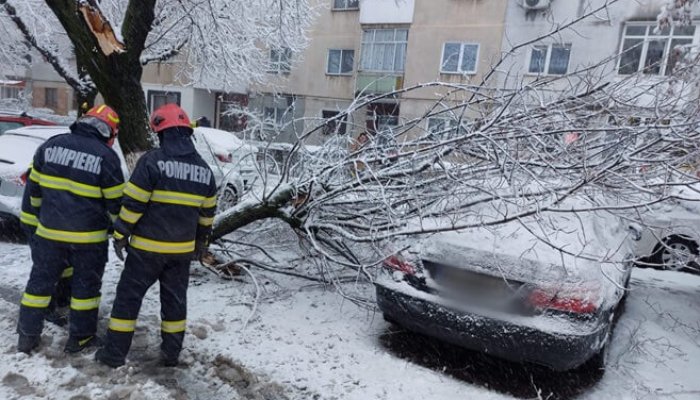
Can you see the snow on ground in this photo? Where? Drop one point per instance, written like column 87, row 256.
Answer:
column 306, row 342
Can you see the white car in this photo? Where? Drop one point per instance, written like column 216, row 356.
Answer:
column 227, row 176
column 17, row 148
column 229, row 151
column 670, row 236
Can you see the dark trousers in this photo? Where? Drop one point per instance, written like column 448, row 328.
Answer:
column 141, row 271
column 61, row 297
column 50, row 260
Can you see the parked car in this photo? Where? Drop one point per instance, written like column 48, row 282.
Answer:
column 670, row 234
column 17, row 148
column 506, row 292
column 228, row 178
column 14, row 120
column 230, row 151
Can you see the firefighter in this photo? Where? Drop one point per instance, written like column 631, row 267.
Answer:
column 76, row 189
column 166, row 218
column 28, row 218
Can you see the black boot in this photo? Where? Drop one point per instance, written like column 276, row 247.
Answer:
column 77, row 344
column 102, row 357
column 167, row 361
column 26, row 344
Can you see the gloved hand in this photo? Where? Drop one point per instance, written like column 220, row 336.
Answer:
column 119, row 246
column 200, row 250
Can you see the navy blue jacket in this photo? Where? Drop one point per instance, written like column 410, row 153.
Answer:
column 74, row 188
column 170, row 199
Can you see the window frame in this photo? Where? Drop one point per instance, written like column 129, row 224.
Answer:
column 276, row 67
column 278, row 122
column 54, row 97
column 151, row 93
column 342, row 123
column 373, row 43
column 548, row 59
column 346, row 8
column 459, row 61
column 646, row 39
column 340, row 65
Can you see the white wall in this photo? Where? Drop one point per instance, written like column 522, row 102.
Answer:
column 593, row 39
column 386, row 11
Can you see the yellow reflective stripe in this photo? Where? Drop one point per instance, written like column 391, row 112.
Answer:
column 71, row 237
column 102, row 107
column 30, row 300
column 77, row 188
column 67, row 273
column 178, row 198
column 209, row 202
column 35, row 176
column 35, row 201
column 173, row 326
column 117, row 235
column 28, row 219
column 156, row 246
column 113, row 192
column 85, row 304
column 122, row 325
column 136, row 193
column 113, row 118
column 129, row 216
column 206, row 221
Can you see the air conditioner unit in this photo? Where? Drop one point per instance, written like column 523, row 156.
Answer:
column 536, row 4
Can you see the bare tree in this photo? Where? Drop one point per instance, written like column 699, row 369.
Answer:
column 503, row 155
column 217, row 41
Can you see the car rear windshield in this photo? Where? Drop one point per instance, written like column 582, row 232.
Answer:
column 7, row 125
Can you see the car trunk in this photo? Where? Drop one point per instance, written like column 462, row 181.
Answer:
column 503, row 283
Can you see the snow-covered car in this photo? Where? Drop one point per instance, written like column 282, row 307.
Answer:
column 228, row 179
column 546, row 293
column 670, row 236
column 17, row 148
column 229, row 150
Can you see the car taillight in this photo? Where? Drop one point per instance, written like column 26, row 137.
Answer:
column 226, row 158
column 576, row 301
column 397, row 263
column 23, row 179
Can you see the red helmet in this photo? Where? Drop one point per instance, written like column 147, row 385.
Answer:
column 169, row 116
column 104, row 114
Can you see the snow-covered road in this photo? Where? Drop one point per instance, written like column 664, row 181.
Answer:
column 309, row 343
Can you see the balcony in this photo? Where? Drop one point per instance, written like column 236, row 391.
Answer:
column 387, row 12
column 374, row 83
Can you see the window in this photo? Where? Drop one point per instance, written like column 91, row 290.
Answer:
column 550, row 59
column 273, row 117
column 382, row 117
column 459, row 58
column 444, row 127
column 346, row 4
column 337, row 126
column 340, row 62
column 158, row 98
column 9, row 92
column 50, row 97
column 384, row 50
column 280, row 61
column 652, row 53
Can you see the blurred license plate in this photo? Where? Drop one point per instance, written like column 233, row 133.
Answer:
column 455, row 278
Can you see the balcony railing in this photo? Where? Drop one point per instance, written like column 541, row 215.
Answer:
column 368, row 83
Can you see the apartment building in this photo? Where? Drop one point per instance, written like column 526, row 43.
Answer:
column 611, row 44
column 374, row 47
